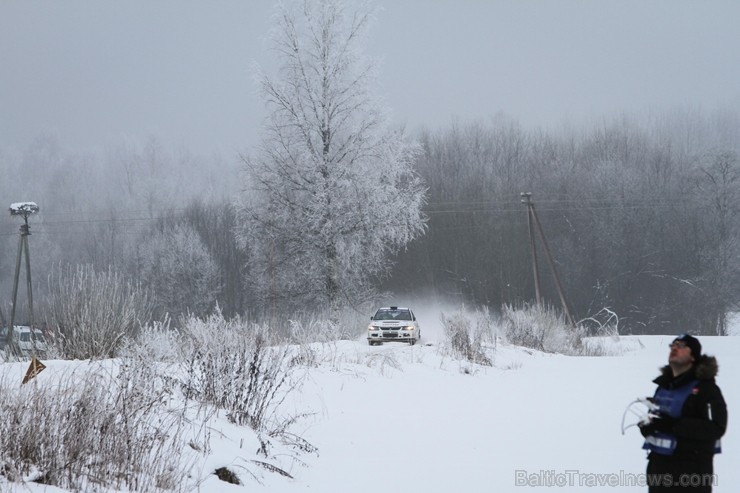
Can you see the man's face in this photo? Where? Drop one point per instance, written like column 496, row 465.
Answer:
column 680, row 354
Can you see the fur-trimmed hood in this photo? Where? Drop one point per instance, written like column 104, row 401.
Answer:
column 706, row 368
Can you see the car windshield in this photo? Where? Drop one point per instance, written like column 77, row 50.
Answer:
column 392, row 315
column 26, row 337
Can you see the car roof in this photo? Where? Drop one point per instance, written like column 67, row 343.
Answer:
column 399, row 308
column 22, row 328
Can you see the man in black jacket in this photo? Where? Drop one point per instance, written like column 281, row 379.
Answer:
column 684, row 433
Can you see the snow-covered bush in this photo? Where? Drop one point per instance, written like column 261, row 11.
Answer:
column 319, row 326
column 467, row 334
column 306, row 330
column 545, row 329
column 96, row 427
column 92, row 312
column 233, row 365
column 155, row 342
column 139, row 422
column 541, row 328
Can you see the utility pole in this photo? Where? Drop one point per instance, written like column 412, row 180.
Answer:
column 527, row 200
column 532, row 218
column 23, row 209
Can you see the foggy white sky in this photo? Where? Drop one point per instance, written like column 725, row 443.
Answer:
column 91, row 72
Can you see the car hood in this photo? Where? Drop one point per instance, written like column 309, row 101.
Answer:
column 392, row 323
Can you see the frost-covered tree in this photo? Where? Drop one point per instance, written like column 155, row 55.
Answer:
column 331, row 190
column 177, row 267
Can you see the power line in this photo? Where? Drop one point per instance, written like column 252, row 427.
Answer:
column 479, row 208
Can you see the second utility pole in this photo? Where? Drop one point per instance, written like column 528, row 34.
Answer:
column 532, row 220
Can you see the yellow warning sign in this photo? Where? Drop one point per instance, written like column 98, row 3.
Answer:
column 34, row 369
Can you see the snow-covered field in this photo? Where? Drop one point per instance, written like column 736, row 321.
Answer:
column 403, row 418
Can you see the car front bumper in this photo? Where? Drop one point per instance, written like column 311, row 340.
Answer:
column 391, row 335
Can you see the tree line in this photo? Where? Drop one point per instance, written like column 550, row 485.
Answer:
column 640, row 214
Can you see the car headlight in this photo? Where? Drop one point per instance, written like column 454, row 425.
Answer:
column 372, row 327
column 409, row 327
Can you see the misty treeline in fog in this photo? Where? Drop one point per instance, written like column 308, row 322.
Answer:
column 134, row 209
column 640, row 214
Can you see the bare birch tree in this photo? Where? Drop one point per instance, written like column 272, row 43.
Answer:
column 331, row 191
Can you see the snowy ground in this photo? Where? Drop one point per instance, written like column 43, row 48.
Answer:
column 431, row 427
column 403, row 418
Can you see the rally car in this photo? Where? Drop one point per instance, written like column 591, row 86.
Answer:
column 393, row 323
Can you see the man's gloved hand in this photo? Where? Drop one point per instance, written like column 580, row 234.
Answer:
column 659, row 422
column 646, row 428
column 663, row 422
